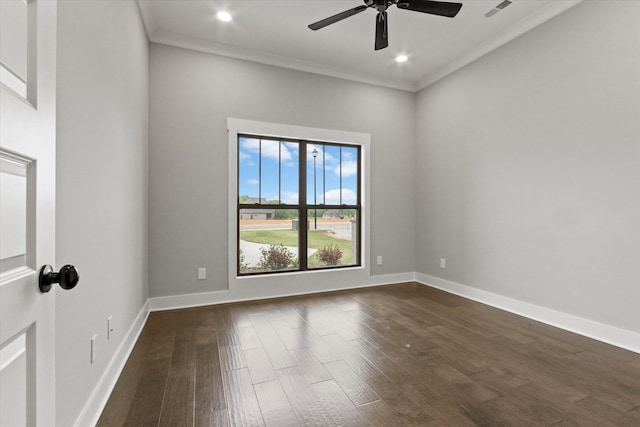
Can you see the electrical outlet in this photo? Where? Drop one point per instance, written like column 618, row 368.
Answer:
column 109, row 326
column 202, row 273
column 379, row 260
column 443, row 263
column 94, row 347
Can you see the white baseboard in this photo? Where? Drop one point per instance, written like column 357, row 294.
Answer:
column 588, row 328
column 221, row 297
column 95, row 404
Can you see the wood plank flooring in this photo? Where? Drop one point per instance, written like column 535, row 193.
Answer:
column 398, row 355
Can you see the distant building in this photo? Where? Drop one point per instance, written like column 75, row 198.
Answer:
column 255, row 201
column 333, row 214
column 256, row 213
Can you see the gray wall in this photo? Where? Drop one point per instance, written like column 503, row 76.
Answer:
column 191, row 96
column 529, row 167
column 102, row 186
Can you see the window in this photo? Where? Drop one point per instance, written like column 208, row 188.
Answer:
column 298, row 205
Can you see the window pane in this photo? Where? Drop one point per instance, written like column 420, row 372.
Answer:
column 333, row 238
column 270, row 175
column 289, row 173
column 268, row 240
column 332, row 175
column 349, row 172
column 248, row 159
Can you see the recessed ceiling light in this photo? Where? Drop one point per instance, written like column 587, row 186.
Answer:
column 402, row 58
column 224, row 16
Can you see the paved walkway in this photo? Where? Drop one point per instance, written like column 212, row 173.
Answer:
column 252, row 252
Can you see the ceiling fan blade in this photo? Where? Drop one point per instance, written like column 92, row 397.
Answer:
column 440, row 8
column 335, row 18
column 382, row 35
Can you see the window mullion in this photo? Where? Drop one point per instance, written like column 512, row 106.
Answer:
column 280, row 172
column 303, row 228
column 341, row 174
column 260, row 171
column 359, row 204
column 324, row 177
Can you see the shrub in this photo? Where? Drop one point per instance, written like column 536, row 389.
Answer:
column 330, row 255
column 243, row 262
column 276, row 257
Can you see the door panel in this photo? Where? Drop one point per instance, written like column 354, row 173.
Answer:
column 16, row 383
column 27, row 211
column 18, row 47
column 14, row 213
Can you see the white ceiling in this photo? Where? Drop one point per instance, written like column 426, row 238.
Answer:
column 275, row 32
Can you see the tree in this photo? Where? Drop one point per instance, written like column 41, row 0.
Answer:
column 286, row 214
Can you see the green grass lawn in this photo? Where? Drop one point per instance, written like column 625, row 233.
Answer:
column 317, row 239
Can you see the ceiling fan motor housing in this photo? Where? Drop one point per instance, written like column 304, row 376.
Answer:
column 380, row 5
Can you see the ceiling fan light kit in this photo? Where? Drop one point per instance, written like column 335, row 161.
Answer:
column 439, row 8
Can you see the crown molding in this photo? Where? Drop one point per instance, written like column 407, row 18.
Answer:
column 208, row 46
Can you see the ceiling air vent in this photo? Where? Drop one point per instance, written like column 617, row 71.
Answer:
column 498, row 8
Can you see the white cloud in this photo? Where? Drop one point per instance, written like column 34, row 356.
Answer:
column 244, row 156
column 328, row 158
column 270, row 149
column 290, row 197
column 292, row 149
column 349, row 164
column 349, row 168
column 250, row 144
column 253, row 182
column 332, row 197
column 293, row 146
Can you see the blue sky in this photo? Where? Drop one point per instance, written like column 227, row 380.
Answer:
column 328, row 190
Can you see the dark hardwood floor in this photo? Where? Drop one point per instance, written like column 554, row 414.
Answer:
column 400, row 355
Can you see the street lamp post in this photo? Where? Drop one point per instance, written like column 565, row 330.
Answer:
column 315, row 216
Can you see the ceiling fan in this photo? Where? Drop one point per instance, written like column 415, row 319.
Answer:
column 440, row 8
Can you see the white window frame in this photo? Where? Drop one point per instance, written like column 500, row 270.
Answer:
column 296, row 282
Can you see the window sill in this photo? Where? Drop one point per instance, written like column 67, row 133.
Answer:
column 302, row 273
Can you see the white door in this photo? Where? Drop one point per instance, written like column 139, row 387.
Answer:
column 27, row 210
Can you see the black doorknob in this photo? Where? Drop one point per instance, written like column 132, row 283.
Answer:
column 67, row 278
